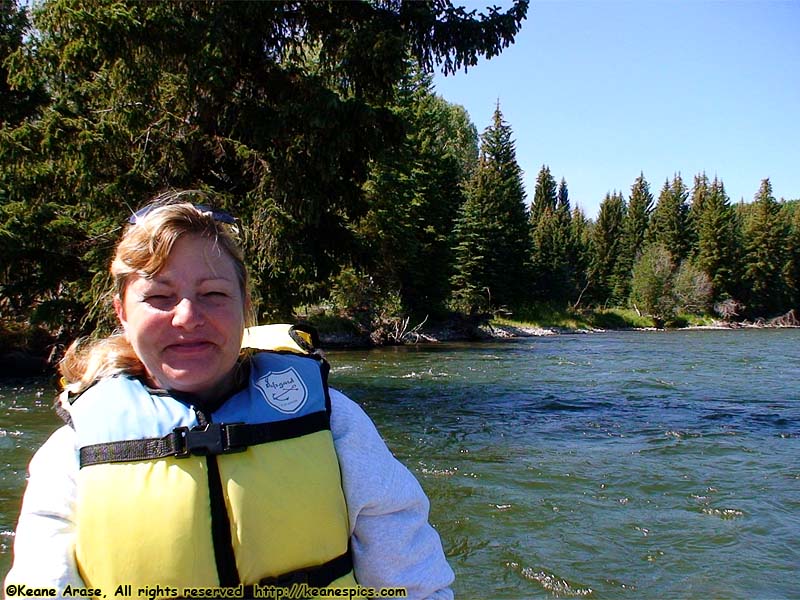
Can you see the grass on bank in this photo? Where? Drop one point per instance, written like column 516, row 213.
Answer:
column 549, row 317
column 541, row 316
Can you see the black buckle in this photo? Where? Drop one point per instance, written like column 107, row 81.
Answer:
column 205, row 440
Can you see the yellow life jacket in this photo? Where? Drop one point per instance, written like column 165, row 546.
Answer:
column 251, row 493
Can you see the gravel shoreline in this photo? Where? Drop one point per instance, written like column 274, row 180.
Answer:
column 489, row 332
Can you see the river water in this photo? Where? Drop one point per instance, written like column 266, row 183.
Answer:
column 615, row 465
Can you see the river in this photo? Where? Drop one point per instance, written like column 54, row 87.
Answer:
column 614, row 465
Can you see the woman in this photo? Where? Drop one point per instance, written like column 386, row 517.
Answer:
column 187, row 462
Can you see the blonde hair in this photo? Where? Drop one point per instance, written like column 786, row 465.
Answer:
column 143, row 250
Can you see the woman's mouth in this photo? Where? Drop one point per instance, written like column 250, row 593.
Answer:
column 192, row 347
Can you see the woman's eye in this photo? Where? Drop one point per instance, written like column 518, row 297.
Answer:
column 158, row 300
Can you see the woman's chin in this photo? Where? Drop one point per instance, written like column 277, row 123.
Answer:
column 203, row 381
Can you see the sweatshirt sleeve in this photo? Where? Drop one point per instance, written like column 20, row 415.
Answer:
column 44, row 543
column 393, row 543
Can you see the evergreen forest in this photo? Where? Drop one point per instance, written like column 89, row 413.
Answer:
column 362, row 194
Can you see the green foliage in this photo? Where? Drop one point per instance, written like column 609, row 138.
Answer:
column 581, row 250
column 316, row 123
column 356, row 294
column 16, row 102
column 545, row 315
column 662, row 290
column 668, row 223
column 694, row 320
column 716, row 240
column 791, row 214
column 413, row 194
column 619, row 318
column 765, row 255
column 563, row 206
column 553, row 272
column 492, row 231
column 330, row 324
column 553, row 276
column 652, row 284
column 637, row 218
column 545, row 196
column 692, row 289
column 34, row 340
column 608, row 275
column 282, row 109
column 697, row 205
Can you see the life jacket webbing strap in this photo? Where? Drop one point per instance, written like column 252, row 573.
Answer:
column 317, row 577
column 320, row 576
column 221, row 538
column 209, row 439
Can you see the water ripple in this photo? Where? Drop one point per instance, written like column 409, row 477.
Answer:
column 723, row 513
column 551, row 583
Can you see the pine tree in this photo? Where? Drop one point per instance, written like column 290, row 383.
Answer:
column 545, row 195
column 700, row 193
column 607, row 279
column 24, row 98
column 637, row 218
column 581, row 252
column 563, row 205
column 566, row 250
column 765, row 255
column 716, row 240
column 414, row 194
column 668, row 222
column 792, row 271
column 492, row 233
column 553, row 278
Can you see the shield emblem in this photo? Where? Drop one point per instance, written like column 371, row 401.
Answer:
column 283, row 390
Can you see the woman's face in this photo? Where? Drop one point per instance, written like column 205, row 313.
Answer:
column 186, row 322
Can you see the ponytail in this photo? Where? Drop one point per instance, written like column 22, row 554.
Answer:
column 87, row 361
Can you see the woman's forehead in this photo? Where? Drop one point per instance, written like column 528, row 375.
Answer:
column 196, row 257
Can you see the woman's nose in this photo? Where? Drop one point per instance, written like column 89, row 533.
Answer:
column 187, row 314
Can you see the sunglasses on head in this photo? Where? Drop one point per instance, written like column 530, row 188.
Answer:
column 218, row 215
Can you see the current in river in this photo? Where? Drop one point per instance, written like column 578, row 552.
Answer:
column 611, row 465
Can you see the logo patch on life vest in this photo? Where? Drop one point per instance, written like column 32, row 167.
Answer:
column 283, row 390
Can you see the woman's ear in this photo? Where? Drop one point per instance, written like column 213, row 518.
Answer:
column 119, row 309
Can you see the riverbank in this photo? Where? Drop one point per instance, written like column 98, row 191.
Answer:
column 505, row 328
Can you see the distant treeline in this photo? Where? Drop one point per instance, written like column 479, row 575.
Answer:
column 688, row 251
column 358, row 188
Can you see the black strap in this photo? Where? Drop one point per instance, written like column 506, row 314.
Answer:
column 318, row 577
column 205, row 440
column 221, row 538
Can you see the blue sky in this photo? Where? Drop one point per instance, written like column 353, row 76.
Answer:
column 601, row 90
